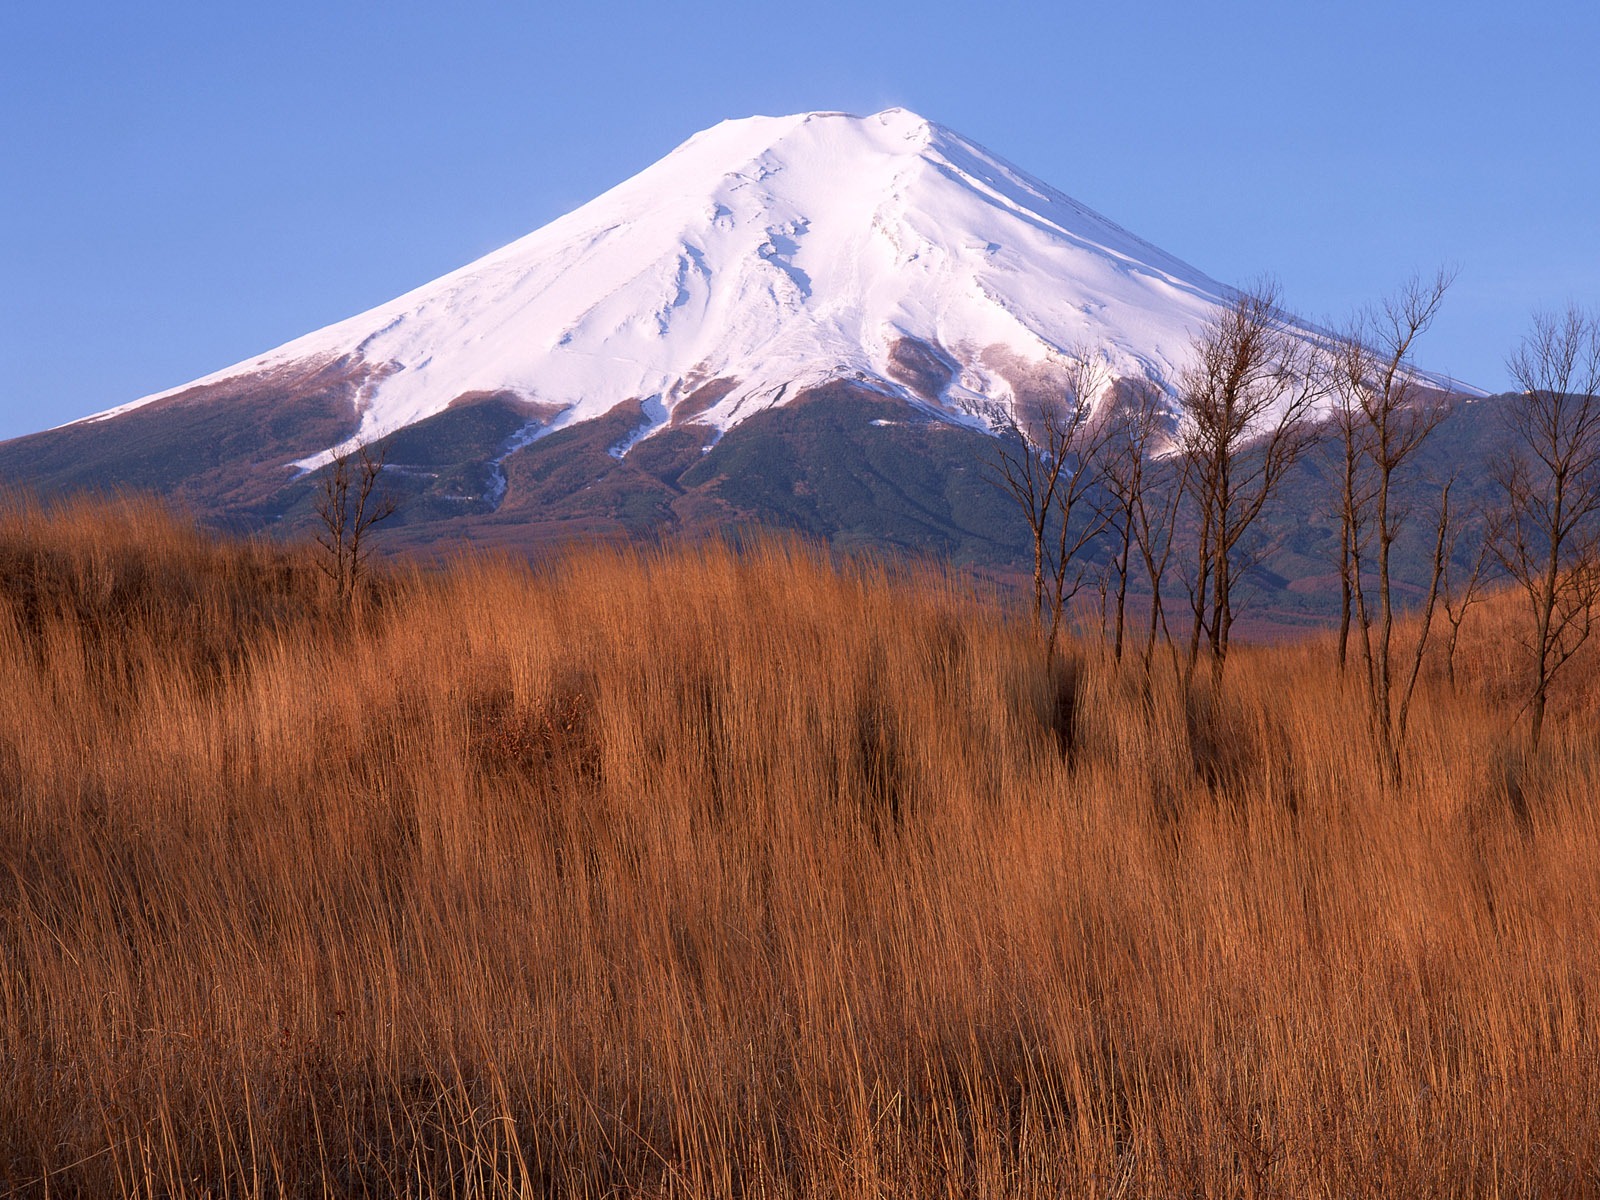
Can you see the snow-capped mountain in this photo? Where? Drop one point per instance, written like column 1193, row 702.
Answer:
column 807, row 322
column 761, row 258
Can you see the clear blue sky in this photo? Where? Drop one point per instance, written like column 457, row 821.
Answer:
column 183, row 185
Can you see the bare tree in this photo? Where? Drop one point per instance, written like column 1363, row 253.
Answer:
column 1046, row 463
column 1155, row 530
column 1354, row 498
column 1548, row 537
column 1138, row 505
column 348, row 505
column 1385, row 413
column 1247, row 409
column 1460, row 589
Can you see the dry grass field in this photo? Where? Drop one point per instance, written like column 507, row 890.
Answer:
column 694, row 874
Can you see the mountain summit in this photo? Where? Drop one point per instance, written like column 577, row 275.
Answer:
column 762, row 257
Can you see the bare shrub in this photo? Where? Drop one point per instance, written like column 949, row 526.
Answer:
column 348, row 505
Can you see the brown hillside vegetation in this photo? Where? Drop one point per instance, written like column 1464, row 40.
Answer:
column 687, row 873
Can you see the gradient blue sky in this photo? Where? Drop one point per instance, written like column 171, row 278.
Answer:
column 184, row 185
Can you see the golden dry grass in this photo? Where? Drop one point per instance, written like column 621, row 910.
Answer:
column 689, row 873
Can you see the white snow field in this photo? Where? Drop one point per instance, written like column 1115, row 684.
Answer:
column 772, row 254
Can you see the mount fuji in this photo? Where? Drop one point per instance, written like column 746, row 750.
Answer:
column 762, row 257
column 814, row 321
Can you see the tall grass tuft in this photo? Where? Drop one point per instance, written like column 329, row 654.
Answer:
column 700, row 873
